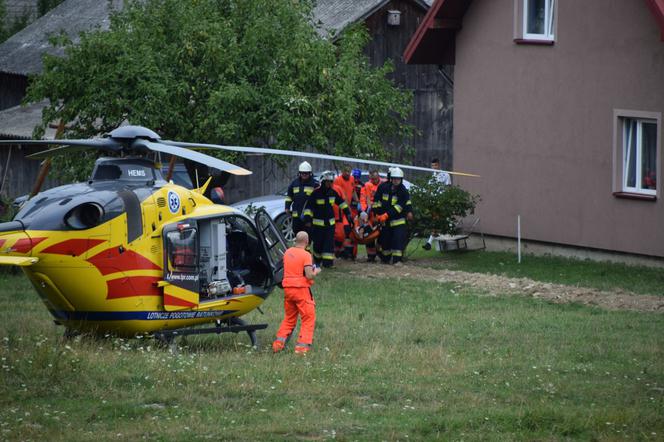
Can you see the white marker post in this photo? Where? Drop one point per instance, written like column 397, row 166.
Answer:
column 518, row 236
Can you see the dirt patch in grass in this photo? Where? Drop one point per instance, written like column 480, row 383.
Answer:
column 495, row 285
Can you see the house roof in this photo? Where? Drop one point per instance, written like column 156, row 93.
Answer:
column 657, row 8
column 22, row 53
column 18, row 122
column 335, row 15
column 434, row 40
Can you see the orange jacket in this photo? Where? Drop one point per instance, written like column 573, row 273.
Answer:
column 347, row 187
column 367, row 195
column 295, row 260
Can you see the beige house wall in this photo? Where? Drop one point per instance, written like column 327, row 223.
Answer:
column 538, row 123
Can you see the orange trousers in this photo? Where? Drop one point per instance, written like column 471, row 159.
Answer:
column 298, row 301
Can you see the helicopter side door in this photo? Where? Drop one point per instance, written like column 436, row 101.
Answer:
column 181, row 266
column 274, row 242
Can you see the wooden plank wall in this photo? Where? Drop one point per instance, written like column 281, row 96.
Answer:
column 12, row 89
column 18, row 172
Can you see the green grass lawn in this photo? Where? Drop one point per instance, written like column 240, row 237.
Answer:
column 584, row 273
column 393, row 360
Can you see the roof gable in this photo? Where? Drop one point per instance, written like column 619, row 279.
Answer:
column 657, row 8
column 22, row 53
column 434, row 40
column 335, row 15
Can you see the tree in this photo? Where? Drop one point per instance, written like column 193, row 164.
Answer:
column 227, row 72
column 439, row 207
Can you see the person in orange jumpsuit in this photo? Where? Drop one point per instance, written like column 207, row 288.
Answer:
column 369, row 190
column 346, row 183
column 299, row 274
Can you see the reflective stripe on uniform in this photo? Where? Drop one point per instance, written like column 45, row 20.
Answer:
column 343, row 205
column 328, row 256
column 398, row 208
column 377, row 204
column 307, row 212
column 308, row 190
column 289, row 199
column 331, row 199
column 295, row 215
column 387, row 252
column 319, row 222
column 397, row 253
column 398, row 222
column 385, row 197
column 320, row 202
column 296, row 189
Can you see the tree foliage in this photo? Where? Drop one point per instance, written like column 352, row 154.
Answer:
column 440, row 207
column 8, row 29
column 228, row 72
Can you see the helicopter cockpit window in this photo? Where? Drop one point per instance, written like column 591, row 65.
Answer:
column 107, row 172
column 182, row 255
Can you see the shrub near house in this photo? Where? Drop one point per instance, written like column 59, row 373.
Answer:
column 439, row 207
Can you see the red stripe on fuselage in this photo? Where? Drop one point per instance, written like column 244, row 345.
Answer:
column 73, row 247
column 132, row 286
column 2, row 242
column 172, row 300
column 24, row 245
column 112, row 261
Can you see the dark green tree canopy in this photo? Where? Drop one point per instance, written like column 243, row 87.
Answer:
column 228, row 72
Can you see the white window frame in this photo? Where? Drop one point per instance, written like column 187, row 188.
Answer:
column 549, row 22
column 638, row 179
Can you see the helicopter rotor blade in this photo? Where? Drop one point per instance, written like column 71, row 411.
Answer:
column 295, row 153
column 192, row 155
column 105, row 144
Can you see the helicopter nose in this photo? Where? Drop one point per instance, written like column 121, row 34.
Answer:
column 14, row 240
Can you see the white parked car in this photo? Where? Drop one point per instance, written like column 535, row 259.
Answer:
column 275, row 205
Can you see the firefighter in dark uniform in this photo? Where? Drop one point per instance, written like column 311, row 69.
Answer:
column 298, row 195
column 377, row 209
column 320, row 213
column 394, row 206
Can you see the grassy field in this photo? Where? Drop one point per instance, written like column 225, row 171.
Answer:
column 393, row 360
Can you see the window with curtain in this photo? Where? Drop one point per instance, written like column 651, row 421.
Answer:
column 538, row 19
column 640, row 156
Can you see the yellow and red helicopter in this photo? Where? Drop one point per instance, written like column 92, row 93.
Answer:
column 129, row 253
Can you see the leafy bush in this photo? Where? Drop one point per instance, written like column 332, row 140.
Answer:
column 438, row 207
column 7, row 210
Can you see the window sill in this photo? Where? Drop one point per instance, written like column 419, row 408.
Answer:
column 526, row 41
column 635, row 196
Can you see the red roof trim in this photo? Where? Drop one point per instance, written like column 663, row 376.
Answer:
column 427, row 21
column 657, row 8
column 434, row 42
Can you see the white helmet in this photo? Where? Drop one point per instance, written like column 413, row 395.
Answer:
column 327, row 175
column 397, row 173
column 305, row 167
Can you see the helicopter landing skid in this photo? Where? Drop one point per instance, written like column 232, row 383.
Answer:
column 235, row 325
